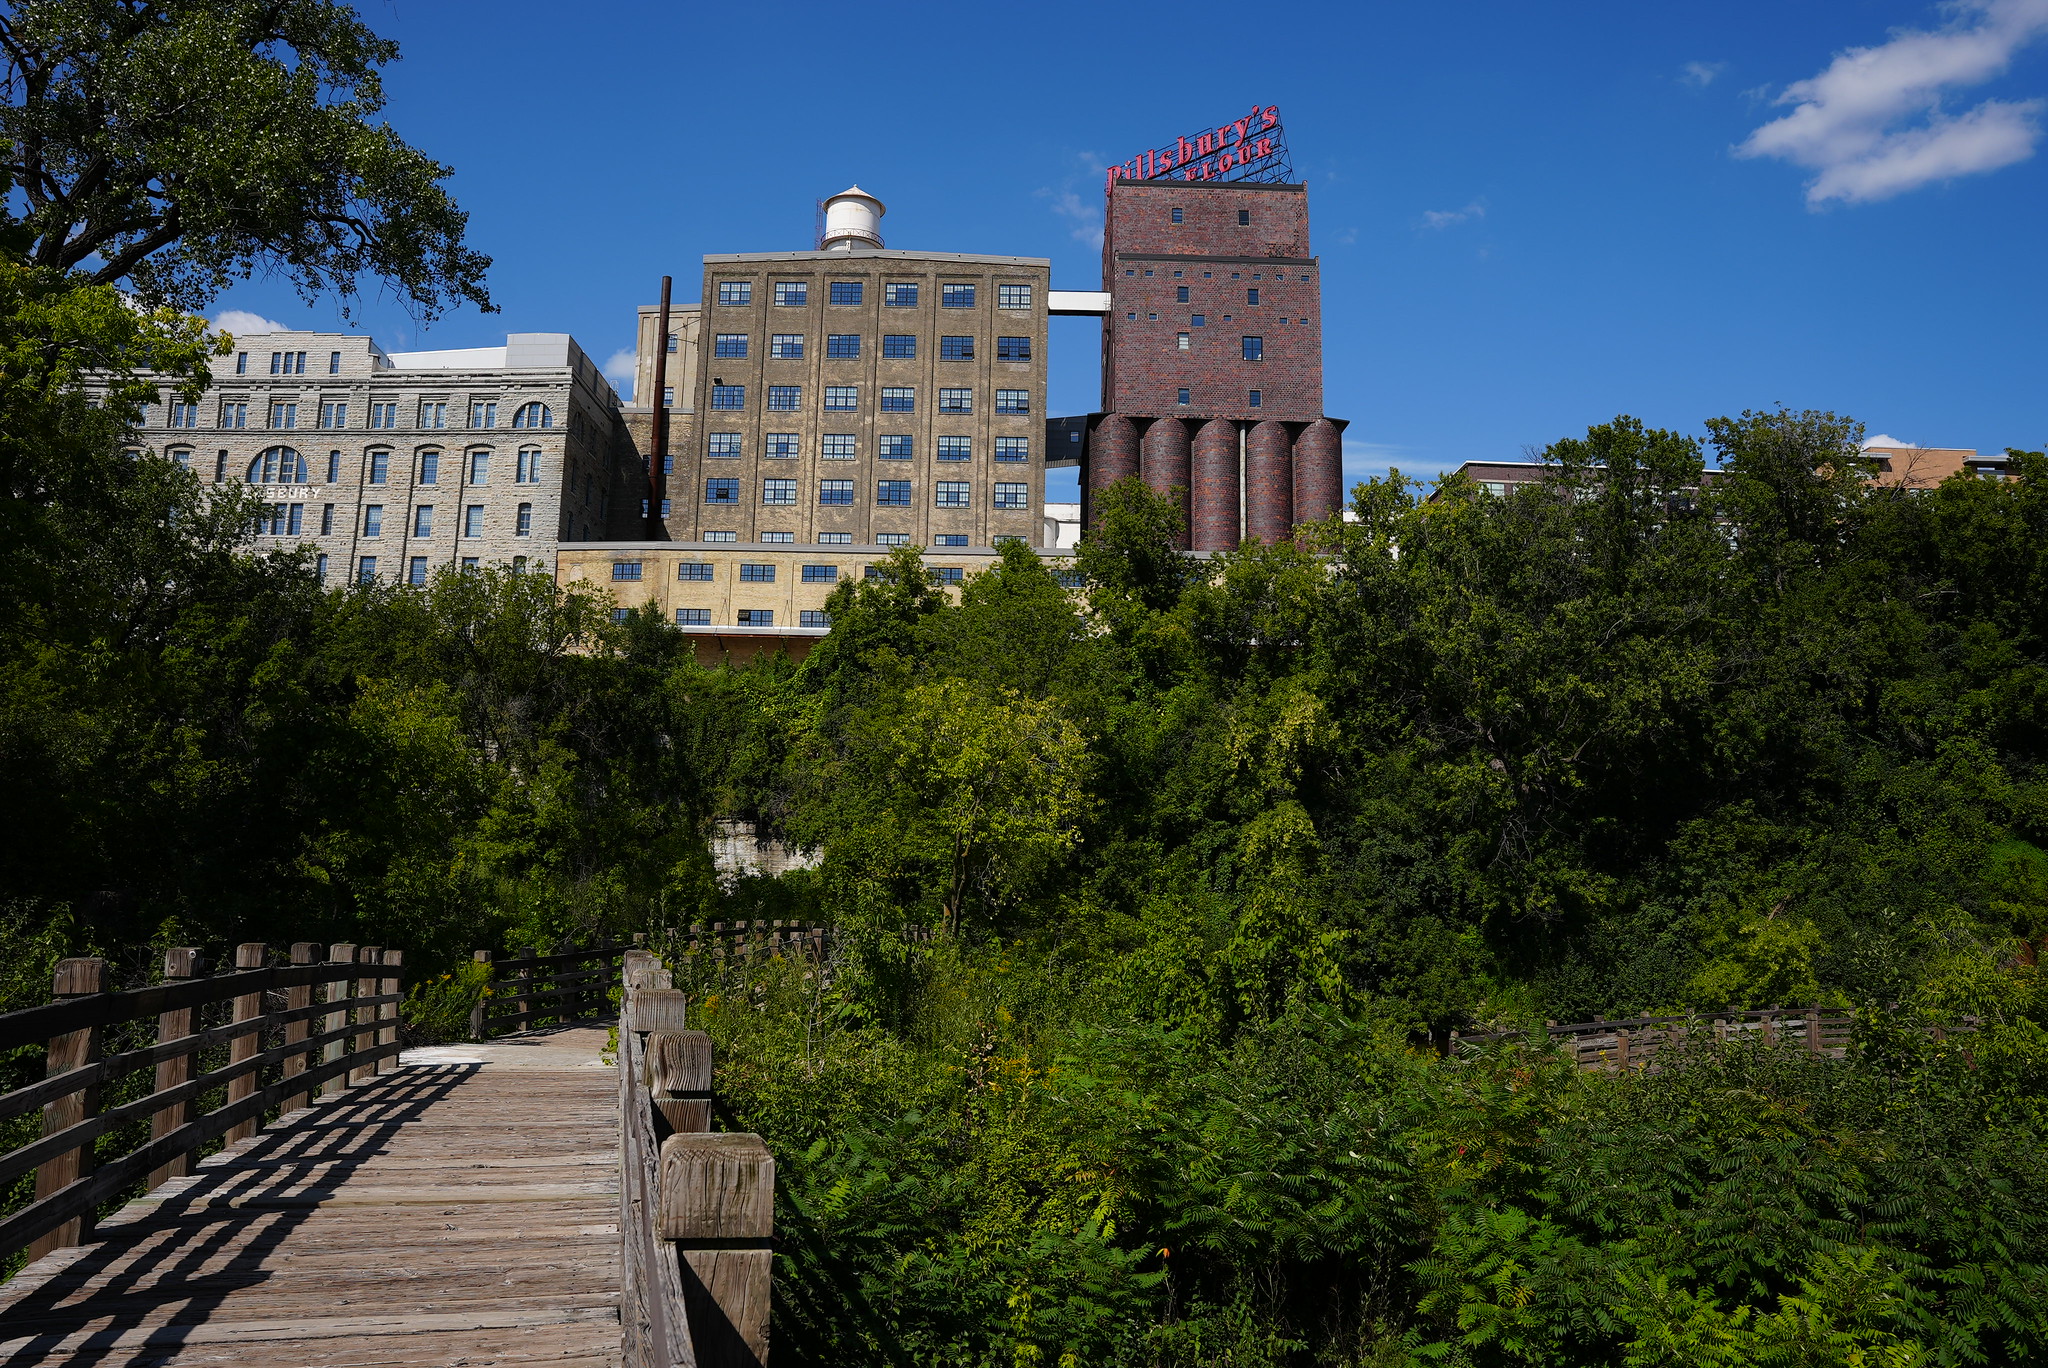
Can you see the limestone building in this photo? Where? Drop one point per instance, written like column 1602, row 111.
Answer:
column 390, row 465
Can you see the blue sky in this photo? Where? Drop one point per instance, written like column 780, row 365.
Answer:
column 1531, row 217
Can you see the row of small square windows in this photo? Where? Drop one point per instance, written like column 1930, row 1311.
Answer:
column 1244, row 219
column 778, row 493
column 289, row 520
column 282, row 465
column 895, row 399
column 846, row 347
column 795, row 294
column 416, row 568
column 1252, row 398
column 1211, row 275
column 483, row 415
column 845, row 446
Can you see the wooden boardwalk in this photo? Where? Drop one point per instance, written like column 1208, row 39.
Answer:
column 460, row 1210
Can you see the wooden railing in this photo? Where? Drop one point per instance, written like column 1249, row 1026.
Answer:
column 535, row 989
column 741, row 940
column 696, row 1206
column 268, row 1045
column 1635, row 1042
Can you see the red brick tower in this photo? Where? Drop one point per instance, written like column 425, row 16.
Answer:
column 1212, row 358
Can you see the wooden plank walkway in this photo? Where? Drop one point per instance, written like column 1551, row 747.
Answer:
column 462, row 1209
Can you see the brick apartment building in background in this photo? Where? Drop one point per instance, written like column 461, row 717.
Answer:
column 1898, row 465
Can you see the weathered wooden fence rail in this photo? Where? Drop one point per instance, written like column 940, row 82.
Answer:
column 1635, row 1042
column 696, row 1207
column 281, row 1046
column 531, row 989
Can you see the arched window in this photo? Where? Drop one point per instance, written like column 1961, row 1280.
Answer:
column 182, row 455
column 529, row 466
column 279, row 465
column 535, row 415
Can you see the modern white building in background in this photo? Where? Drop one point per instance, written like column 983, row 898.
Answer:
column 392, row 464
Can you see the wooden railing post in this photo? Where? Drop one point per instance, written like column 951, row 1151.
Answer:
column 717, row 1199
column 365, row 1039
column 180, row 963
column 72, row 1050
column 1813, row 1029
column 394, row 962
column 295, row 997
column 523, row 1002
column 248, row 1007
column 479, row 1024
column 336, row 995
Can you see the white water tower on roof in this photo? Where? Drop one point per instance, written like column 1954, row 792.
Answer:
column 853, row 219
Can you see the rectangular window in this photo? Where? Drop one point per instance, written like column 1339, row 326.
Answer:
column 900, row 294
column 894, row 447
column 1255, row 349
column 735, row 291
column 1244, row 216
column 839, row 397
column 334, row 415
column 791, row 294
column 693, row 617
column 732, row 346
column 1177, row 216
column 626, row 570
column 1012, row 495
column 479, row 467
column 956, row 349
column 184, row 415
column 752, row 572
column 1198, row 321
column 1251, row 296
column 295, row 520
column 334, row 363
column 779, row 446
column 785, row 398
column 1181, row 340
column 728, row 396
column 902, row 346
column 725, row 444
column 384, row 415
column 373, row 520
column 952, row 494
column 950, row 539
column 284, row 415
column 1013, row 448
column 434, row 415
column 757, row 617
column 380, row 467
column 775, row 538
column 524, row 527
column 1254, row 399
column 835, row 539
column 956, row 448
column 892, row 493
column 473, row 520
column 241, row 363
column 276, row 361
column 326, row 520
column 416, row 572
column 320, row 567
column 694, row 570
column 721, row 489
column 1013, row 296
column 837, row 446
column 786, row 346
column 778, row 493
column 366, row 569
column 333, row 467
column 814, row 617
column 956, row 296
column 846, row 291
column 949, row 574
column 835, row 491
column 529, row 468
column 1013, row 349
column 821, row 574
column 470, row 565
column 1180, row 396
column 842, row 346
column 1013, row 401
column 956, row 401
column 483, row 413
column 889, row 539
column 423, row 521
column 430, row 467
column 899, row 399
column 1180, row 294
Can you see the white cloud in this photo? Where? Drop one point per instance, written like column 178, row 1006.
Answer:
column 620, row 369
column 1086, row 215
column 1347, row 238
column 242, row 323
column 1445, row 218
column 1872, row 124
column 1883, row 441
column 1701, row 74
